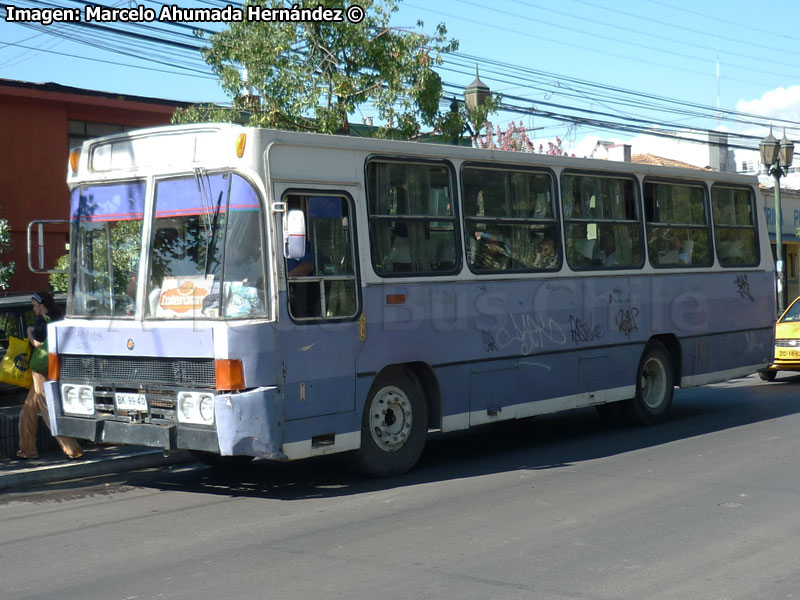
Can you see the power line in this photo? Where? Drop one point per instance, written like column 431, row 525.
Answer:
column 573, row 45
column 152, row 44
column 747, row 27
column 617, row 40
column 691, row 30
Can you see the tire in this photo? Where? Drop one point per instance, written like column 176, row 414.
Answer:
column 212, row 459
column 394, row 426
column 767, row 375
column 655, row 381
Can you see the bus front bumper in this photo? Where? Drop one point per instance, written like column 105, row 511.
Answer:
column 248, row 423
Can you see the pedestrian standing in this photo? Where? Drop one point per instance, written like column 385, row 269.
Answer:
column 46, row 310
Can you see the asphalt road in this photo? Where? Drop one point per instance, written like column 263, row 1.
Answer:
column 705, row 505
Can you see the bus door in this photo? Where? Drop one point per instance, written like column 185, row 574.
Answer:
column 319, row 337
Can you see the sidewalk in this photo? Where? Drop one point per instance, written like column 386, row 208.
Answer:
column 52, row 465
column 97, row 460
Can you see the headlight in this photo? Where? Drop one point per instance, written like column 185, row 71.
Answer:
column 195, row 407
column 186, row 406
column 77, row 399
column 86, row 397
column 206, row 408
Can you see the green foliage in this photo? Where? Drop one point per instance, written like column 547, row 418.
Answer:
column 309, row 76
column 59, row 282
column 125, row 242
column 206, row 113
column 6, row 270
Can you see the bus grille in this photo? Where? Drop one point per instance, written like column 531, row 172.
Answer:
column 183, row 372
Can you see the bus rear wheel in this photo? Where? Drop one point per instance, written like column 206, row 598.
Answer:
column 212, row 459
column 654, row 386
column 394, row 426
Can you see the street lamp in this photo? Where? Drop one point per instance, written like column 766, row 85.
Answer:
column 475, row 95
column 777, row 158
column 477, row 92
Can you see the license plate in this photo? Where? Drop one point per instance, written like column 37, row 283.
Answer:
column 787, row 353
column 131, row 402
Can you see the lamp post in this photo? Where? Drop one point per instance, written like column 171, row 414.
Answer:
column 777, row 158
column 475, row 95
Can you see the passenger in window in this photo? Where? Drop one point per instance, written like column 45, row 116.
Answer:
column 304, row 296
column 546, row 257
column 685, row 252
column 492, row 253
column 677, row 253
column 301, row 267
column 607, row 255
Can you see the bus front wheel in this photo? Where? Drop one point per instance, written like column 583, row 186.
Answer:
column 654, row 386
column 394, row 426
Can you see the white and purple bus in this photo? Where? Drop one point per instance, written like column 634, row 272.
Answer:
column 246, row 292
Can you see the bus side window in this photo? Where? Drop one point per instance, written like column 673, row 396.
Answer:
column 322, row 284
column 509, row 220
column 734, row 226
column 678, row 228
column 412, row 226
column 602, row 223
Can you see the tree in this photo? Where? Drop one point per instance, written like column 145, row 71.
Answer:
column 310, row 76
column 515, row 139
column 6, row 271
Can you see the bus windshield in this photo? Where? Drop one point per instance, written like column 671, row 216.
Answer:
column 204, row 258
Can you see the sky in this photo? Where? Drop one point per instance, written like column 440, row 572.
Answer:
column 656, row 63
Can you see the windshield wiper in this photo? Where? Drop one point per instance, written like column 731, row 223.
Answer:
column 213, row 241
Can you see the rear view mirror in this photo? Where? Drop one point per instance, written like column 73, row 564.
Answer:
column 294, row 234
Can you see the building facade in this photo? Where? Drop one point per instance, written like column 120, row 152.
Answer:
column 790, row 236
column 39, row 123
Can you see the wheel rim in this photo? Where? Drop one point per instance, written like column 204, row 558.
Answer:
column 390, row 418
column 653, row 383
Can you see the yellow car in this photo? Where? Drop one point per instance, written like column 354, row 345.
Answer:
column 787, row 343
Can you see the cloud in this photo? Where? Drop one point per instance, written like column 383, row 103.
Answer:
column 783, row 103
column 690, row 152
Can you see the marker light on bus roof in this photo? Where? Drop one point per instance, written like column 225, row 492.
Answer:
column 241, row 140
column 74, row 155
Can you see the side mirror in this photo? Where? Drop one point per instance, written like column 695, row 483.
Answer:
column 38, row 250
column 294, row 234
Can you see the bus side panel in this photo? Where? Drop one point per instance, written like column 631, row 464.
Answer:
column 318, row 363
column 724, row 322
column 256, row 345
column 718, row 357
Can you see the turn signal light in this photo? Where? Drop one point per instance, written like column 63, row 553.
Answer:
column 230, row 374
column 74, row 156
column 53, row 367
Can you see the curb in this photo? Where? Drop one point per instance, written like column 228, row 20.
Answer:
column 89, row 467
